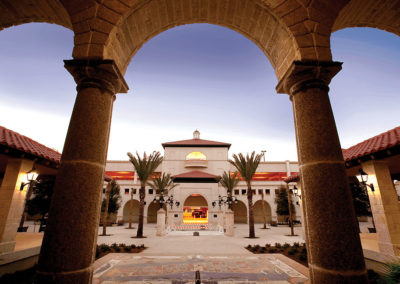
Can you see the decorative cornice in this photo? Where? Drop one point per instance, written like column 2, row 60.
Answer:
column 303, row 75
column 102, row 74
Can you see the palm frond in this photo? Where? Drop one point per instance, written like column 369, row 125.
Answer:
column 246, row 166
column 229, row 180
column 145, row 166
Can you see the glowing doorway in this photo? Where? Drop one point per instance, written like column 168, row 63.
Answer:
column 195, row 210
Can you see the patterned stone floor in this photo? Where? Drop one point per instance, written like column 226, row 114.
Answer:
column 126, row 268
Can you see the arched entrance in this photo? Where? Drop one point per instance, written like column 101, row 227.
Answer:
column 195, row 210
column 259, row 212
column 240, row 212
column 152, row 212
column 134, row 206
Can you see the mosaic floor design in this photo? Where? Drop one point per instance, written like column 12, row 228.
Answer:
column 181, row 270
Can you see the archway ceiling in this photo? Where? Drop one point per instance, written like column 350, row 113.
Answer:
column 285, row 30
column 383, row 14
column 16, row 12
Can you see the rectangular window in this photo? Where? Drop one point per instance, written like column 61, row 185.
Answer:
column 104, row 190
column 267, row 191
column 133, row 190
column 150, row 191
column 253, row 191
column 260, row 191
column 126, row 190
column 243, row 191
column 236, row 191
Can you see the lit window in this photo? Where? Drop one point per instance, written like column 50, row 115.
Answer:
column 196, row 156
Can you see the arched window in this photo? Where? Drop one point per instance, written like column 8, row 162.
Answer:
column 196, row 156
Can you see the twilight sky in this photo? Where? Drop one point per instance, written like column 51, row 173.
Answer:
column 201, row 77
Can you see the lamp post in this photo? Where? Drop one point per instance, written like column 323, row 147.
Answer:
column 225, row 200
column 297, row 193
column 31, row 180
column 363, row 179
column 165, row 199
column 263, row 154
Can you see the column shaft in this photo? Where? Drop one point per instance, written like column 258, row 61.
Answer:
column 384, row 206
column 70, row 239
column 12, row 201
column 334, row 247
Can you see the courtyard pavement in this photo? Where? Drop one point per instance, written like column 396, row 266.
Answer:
column 208, row 243
column 174, row 258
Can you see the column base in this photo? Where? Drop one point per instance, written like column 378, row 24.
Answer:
column 77, row 276
column 7, row 246
column 320, row 275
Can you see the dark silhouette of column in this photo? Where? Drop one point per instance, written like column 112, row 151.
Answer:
column 333, row 242
column 69, row 242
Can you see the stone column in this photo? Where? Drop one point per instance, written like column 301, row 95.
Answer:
column 229, row 223
column 69, row 242
column 161, row 222
column 12, row 201
column 384, row 206
column 333, row 243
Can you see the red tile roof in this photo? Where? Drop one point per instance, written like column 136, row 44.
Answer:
column 372, row 145
column 195, row 174
column 292, row 178
column 22, row 143
column 195, row 142
column 381, row 142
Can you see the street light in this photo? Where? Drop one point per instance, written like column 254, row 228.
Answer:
column 31, row 177
column 263, row 154
column 363, row 178
column 165, row 199
column 225, row 200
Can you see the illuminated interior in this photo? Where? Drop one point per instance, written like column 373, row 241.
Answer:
column 195, row 210
column 196, row 156
column 195, row 215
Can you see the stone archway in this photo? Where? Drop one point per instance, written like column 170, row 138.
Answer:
column 240, row 212
column 152, row 212
column 134, row 204
column 286, row 31
column 259, row 213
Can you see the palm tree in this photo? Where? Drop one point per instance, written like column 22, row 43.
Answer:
column 162, row 184
column 229, row 182
column 111, row 202
column 247, row 167
column 144, row 168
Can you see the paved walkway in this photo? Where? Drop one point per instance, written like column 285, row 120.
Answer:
column 208, row 243
column 125, row 268
column 174, row 258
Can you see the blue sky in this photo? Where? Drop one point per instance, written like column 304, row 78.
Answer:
column 198, row 76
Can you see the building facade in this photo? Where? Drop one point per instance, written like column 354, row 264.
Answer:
column 195, row 165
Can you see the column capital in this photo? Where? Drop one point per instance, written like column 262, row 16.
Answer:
column 303, row 75
column 102, row 74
